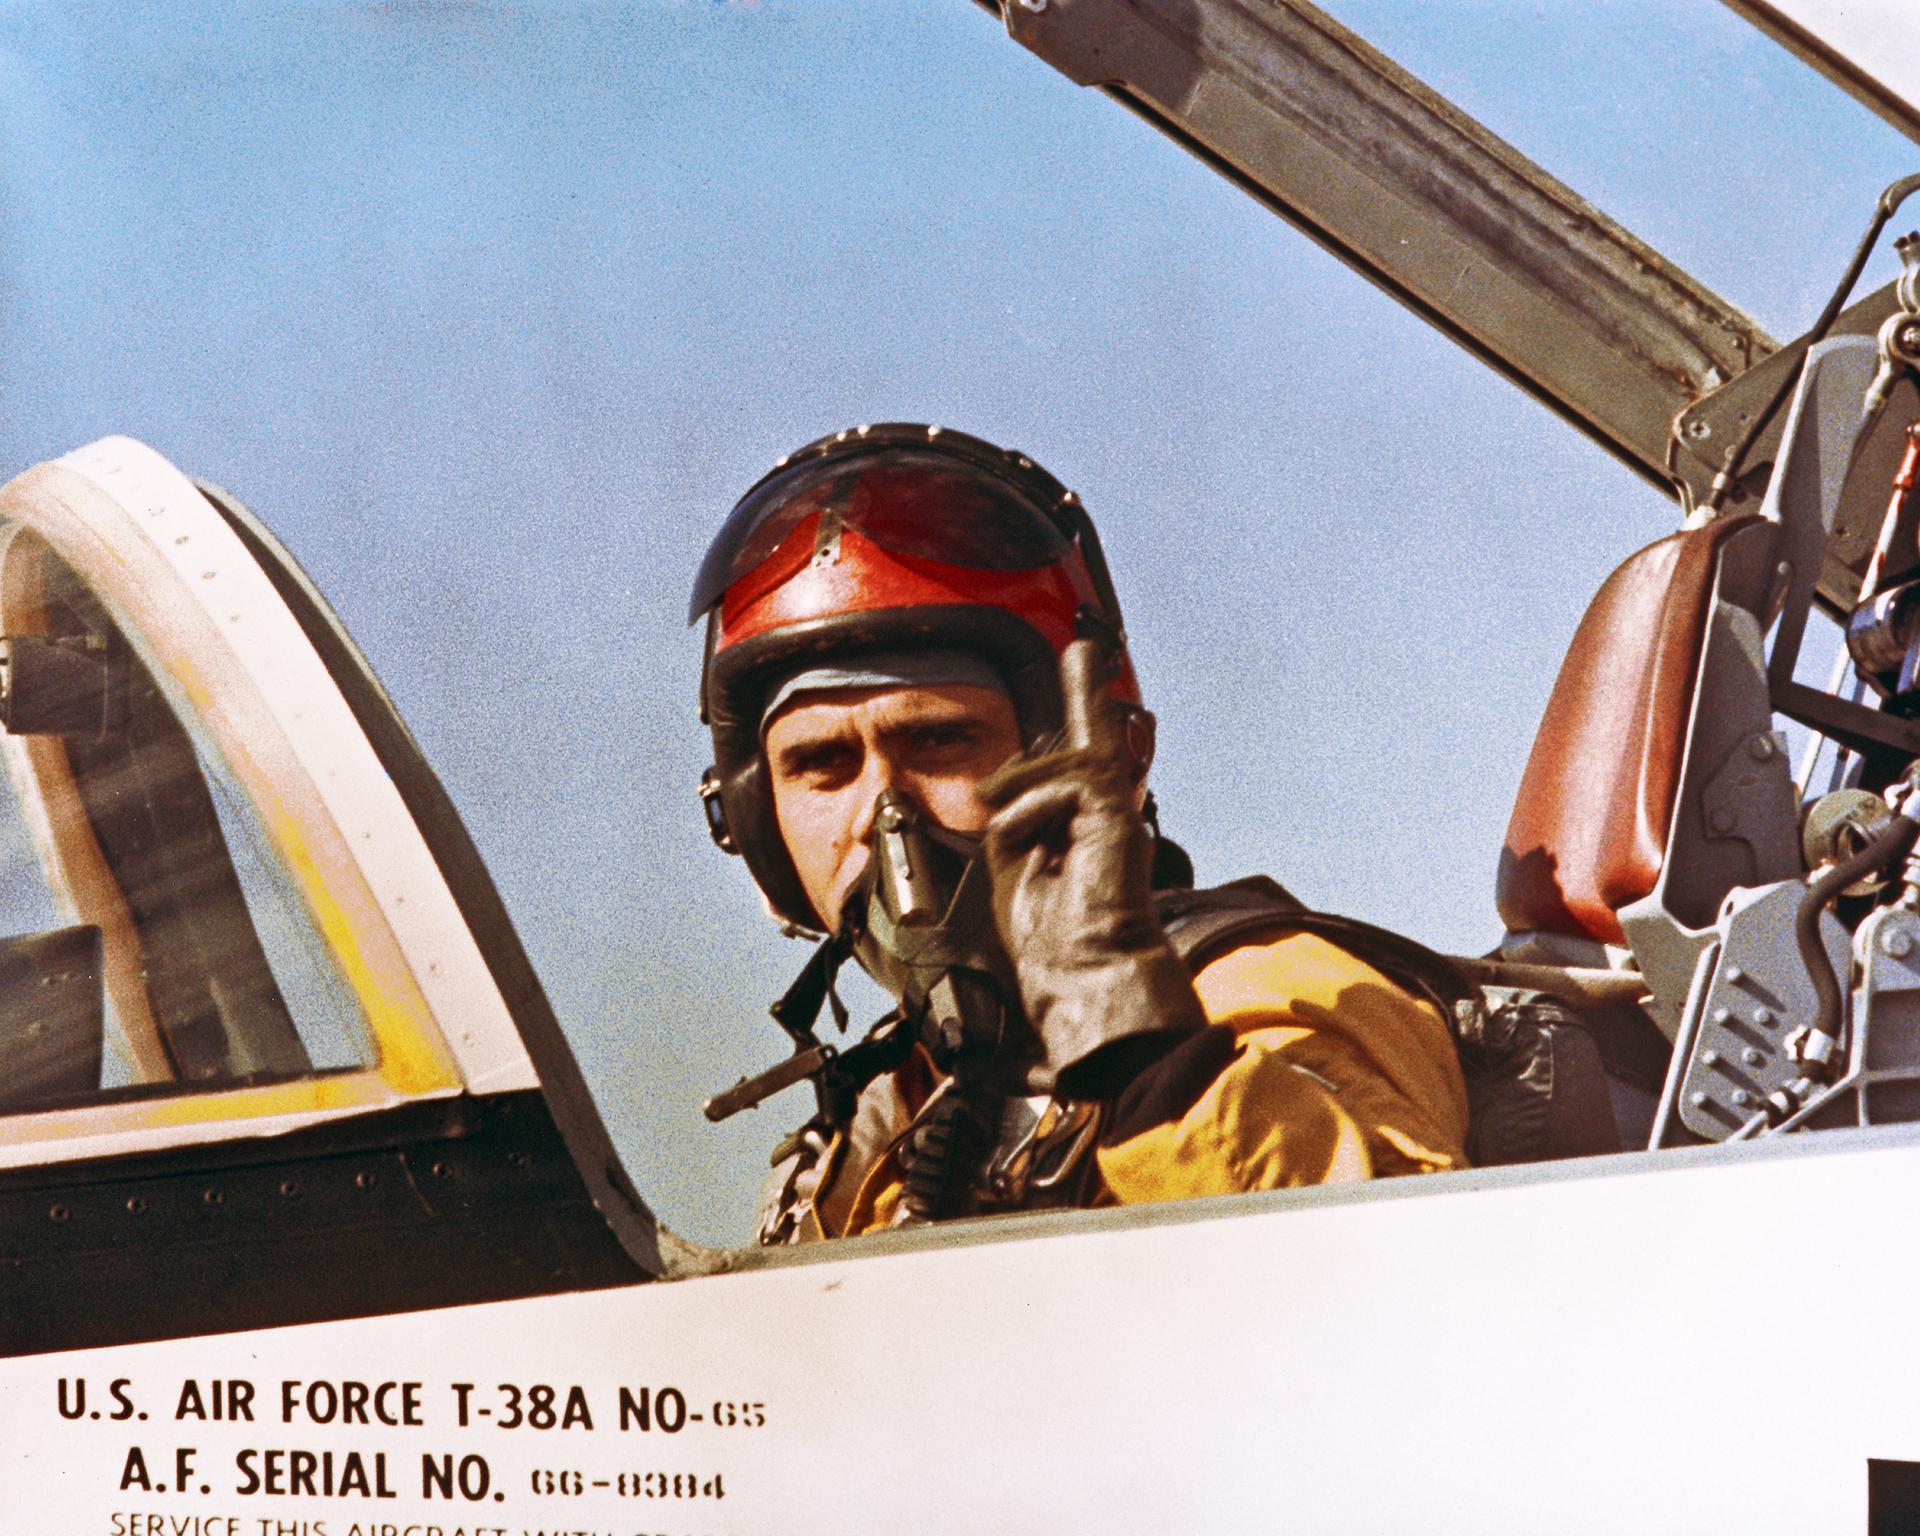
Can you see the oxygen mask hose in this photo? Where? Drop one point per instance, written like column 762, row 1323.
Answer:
column 1895, row 839
column 923, row 923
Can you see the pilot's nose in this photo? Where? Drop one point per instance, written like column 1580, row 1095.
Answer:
column 878, row 775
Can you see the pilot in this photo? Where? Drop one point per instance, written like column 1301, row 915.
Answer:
column 930, row 751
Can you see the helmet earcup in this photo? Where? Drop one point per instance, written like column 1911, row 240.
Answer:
column 714, row 805
column 747, row 796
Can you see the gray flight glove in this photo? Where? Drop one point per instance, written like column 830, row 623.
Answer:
column 1069, row 856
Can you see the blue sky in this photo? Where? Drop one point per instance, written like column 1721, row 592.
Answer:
column 492, row 311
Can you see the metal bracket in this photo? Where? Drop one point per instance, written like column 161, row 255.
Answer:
column 1853, row 725
column 1707, row 429
column 1734, row 799
column 1712, row 424
column 1814, row 472
column 1759, row 992
column 1882, row 1081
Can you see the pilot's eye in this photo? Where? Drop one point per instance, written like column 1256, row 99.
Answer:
column 820, row 762
column 945, row 740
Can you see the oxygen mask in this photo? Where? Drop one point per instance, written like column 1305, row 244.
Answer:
column 920, row 922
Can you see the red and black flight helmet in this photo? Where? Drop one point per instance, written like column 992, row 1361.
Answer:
column 879, row 540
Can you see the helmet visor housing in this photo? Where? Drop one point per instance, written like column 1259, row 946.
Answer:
column 914, row 502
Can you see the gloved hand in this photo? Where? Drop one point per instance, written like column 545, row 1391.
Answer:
column 1069, row 856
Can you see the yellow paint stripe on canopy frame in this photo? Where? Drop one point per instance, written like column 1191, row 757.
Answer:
column 64, row 504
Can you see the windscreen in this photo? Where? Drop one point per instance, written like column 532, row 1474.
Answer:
column 151, row 939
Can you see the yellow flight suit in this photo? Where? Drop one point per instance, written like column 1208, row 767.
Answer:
column 1335, row 1074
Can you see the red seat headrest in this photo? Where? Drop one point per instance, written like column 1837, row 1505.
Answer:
column 1590, row 824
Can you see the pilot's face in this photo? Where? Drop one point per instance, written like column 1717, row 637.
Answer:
column 831, row 754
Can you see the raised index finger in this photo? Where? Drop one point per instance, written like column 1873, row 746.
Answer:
column 1092, row 723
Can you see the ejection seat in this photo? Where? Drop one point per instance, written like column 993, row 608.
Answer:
column 1594, row 828
column 1657, row 784
column 1658, row 805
